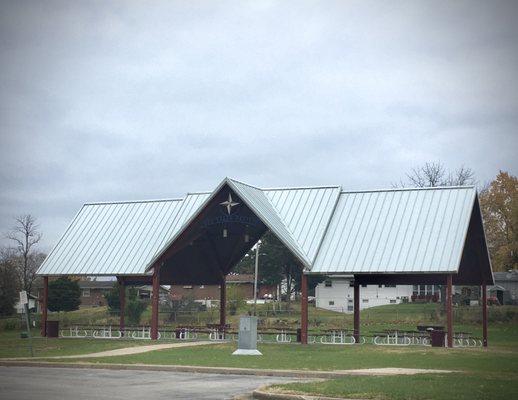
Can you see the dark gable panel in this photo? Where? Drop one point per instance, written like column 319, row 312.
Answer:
column 213, row 243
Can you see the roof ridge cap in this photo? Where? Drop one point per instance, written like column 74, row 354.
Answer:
column 409, row 189
column 98, row 203
column 302, row 187
column 242, row 183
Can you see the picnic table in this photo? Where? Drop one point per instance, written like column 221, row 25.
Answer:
column 339, row 336
column 400, row 337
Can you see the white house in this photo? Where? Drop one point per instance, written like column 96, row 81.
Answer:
column 337, row 294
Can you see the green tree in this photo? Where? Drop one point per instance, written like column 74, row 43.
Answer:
column 277, row 263
column 246, row 264
column 235, row 298
column 499, row 206
column 113, row 299
column 64, row 295
column 134, row 307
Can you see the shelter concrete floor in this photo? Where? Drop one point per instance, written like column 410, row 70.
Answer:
column 38, row 383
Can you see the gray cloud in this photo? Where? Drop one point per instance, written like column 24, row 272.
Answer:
column 126, row 100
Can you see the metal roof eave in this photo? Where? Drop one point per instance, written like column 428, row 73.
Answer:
column 341, row 271
column 42, row 266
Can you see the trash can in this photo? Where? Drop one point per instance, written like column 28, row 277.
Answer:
column 437, row 338
column 53, row 329
column 299, row 335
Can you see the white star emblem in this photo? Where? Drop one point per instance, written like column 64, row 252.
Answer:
column 229, row 203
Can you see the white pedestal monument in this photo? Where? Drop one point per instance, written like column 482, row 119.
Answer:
column 247, row 342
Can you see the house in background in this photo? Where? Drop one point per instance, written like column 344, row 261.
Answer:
column 505, row 289
column 207, row 294
column 337, row 294
column 92, row 292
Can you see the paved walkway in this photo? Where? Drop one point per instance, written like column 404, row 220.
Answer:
column 33, row 383
column 224, row 370
column 121, row 352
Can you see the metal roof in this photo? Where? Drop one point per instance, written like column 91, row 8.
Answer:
column 257, row 200
column 117, row 238
column 328, row 230
column 306, row 212
column 397, row 231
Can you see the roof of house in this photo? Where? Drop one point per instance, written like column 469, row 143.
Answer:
column 508, row 276
column 330, row 231
column 84, row 284
column 239, row 278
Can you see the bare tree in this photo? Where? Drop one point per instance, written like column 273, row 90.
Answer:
column 25, row 235
column 432, row 174
column 460, row 177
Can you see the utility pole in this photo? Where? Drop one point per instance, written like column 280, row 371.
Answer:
column 257, row 246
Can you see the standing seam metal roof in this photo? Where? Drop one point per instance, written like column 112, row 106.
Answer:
column 329, row 230
column 397, row 231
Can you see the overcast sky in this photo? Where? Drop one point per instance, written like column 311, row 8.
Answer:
column 116, row 100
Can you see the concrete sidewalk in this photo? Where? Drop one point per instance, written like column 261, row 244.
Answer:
column 291, row 373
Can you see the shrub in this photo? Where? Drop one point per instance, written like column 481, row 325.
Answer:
column 10, row 324
column 64, row 295
column 113, row 300
column 134, row 307
column 235, row 299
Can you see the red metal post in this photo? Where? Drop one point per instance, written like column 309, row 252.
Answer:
column 304, row 310
column 484, row 315
column 356, row 311
column 449, row 309
column 122, row 305
column 154, row 304
column 44, row 306
column 223, row 303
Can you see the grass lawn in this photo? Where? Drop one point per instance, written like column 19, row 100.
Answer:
column 328, row 357
column 480, row 373
column 417, row 387
column 11, row 345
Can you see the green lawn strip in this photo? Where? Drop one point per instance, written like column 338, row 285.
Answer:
column 415, row 387
column 11, row 345
column 328, row 357
column 503, row 336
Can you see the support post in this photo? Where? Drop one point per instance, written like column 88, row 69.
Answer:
column 223, row 302
column 449, row 309
column 44, row 306
column 356, row 311
column 154, row 303
column 122, row 305
column 304, row 310
column 484, row 314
